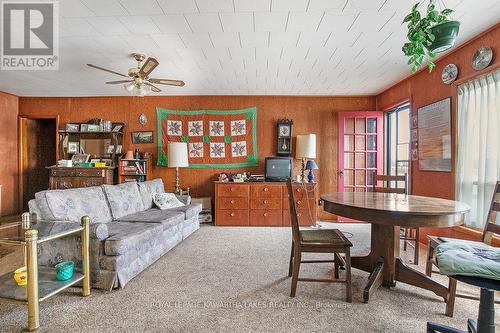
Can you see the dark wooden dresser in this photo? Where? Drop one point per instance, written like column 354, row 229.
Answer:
column 263, row 204
column 73, row 177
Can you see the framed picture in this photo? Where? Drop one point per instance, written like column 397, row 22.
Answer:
column 84, row 128
column 93, row 128
column 72, row 127
column 142, row 137
column 414, row 135
column 119, row 149
column 111, row 149
column 414, row 121
column 73, row 147
column 77, row 159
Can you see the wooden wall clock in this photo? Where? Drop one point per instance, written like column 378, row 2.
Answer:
column 284, row 140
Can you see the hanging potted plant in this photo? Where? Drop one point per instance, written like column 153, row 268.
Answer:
column 428, row 35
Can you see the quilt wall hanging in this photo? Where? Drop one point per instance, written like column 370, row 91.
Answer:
column 215, row 138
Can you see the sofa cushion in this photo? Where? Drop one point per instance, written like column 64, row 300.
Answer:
column 43, row 206
column 124, row 199
column 33, row 209
column 167, row 217
column 147, row 189
column 166, row 200
column 125, row 236
column 72, row 204
column 189, row 211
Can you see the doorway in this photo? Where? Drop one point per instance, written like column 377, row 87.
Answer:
column 37, row 150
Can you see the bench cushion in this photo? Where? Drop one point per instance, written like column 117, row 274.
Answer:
column 72, row 204
column 124, row 199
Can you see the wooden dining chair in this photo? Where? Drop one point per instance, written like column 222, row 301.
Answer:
column 408, row 235
column 490, row 229
column 317, row 241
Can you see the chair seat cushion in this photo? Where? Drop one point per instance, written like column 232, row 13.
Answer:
column 458, row 257
column 125, row 236
column 324, row 236
column 167, row 217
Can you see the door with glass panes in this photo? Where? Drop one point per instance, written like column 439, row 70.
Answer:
column 360, row 150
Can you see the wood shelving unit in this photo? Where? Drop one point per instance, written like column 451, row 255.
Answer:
column 138, row 170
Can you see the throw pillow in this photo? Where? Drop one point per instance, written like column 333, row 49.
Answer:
column 166, row 200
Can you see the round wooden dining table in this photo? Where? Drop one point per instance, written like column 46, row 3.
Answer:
column 387, row 212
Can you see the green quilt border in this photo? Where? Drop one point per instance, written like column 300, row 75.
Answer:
column 251, row 113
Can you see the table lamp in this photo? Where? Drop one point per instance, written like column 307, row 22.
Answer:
column 305, row 149
column 177, row 158
column 311, row 165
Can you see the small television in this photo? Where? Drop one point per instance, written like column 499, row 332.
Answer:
column 278, row 169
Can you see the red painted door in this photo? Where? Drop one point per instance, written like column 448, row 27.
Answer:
column 360, row 150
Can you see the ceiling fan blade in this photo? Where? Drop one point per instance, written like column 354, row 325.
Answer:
column 177, row 83
column 107, row 70
column 149, row 65
column 153, row 88
column 120, row 81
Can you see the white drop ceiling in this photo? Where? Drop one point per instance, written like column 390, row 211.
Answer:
column 238, row 47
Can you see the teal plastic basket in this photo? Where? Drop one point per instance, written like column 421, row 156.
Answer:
column 64, row 270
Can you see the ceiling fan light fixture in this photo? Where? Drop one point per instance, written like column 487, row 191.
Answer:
column 129, row 87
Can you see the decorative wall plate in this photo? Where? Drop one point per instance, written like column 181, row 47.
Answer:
column 449, row 74
column 142, row 119
column 482, row 58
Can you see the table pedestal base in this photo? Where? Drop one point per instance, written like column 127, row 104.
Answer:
column 386, row 267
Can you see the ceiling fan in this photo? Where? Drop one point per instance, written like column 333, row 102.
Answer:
column 139, row 82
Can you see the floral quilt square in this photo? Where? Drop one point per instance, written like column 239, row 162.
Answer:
column 238, row 127
column 216, row 128
column 239, row 148
column 217, row 150
column 195, row 128
column 174, row 127
column 196, row 149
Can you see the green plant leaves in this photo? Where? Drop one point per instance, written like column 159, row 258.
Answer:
column 420, row 35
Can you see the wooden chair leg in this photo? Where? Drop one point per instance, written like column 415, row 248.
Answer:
column 417, row 246
column 295, row 272
column 430, row 255
column 450, row 301
column 405, row 233
column 336, row 266
column 291, row 262
column 348, row 291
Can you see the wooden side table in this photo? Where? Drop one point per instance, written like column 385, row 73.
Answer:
column 41, row 280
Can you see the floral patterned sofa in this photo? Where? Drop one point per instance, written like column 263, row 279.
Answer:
column 127, row 233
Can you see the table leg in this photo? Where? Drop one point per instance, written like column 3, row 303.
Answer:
column 85, row 256
column 374, row 280
column 415, row 278
column 31, row 238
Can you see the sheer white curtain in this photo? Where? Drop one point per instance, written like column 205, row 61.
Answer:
column 478, row 146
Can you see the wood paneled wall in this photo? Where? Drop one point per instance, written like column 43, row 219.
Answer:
column 424, row 88
column 310, row 115
column 8, row 154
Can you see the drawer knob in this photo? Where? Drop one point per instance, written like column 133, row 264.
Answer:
column 232, row 202
column 298, row 214
column 298, row 190
column 266, row 189
column 265, row 214
column 232, row 214
column 232, row 189
column 266, row 202
column 299, row 202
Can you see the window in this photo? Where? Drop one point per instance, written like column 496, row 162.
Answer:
column 397, row 141
column 478, row 146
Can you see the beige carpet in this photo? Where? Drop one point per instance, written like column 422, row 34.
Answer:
column 235, row 280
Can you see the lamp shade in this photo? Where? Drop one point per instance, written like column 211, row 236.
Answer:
column 306, row 146
column 311, row 165
column 177, row 154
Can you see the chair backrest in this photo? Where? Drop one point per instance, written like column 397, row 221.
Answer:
column 293, row 212
column 491, row 228
column 387, row 180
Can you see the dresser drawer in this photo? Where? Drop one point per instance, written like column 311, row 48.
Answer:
column 233, row 217
column 69, row 172
column 232, row 190
column 300, row 203
column 91, row 181
column 265, row 203
column 266, row 217
column 303, row 216
column 63, row 183
column 300, row 191
column 266, row 191
column 232, row 203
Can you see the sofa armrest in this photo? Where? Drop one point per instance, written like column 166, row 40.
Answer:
column 185, row 199
column 97, row 231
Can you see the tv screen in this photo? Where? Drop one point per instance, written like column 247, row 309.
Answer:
column 278, row 168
